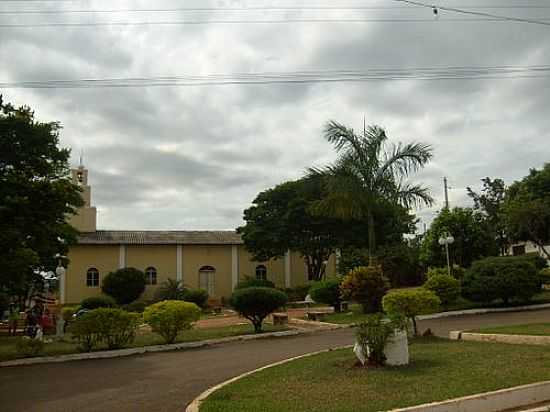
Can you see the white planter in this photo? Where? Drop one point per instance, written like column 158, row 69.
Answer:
column 396, row 350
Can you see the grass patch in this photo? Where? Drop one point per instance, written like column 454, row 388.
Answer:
column 355, row 315
column 66, row 346
column 536, row 329
column 439, row 370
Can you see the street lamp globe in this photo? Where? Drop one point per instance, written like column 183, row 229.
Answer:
column 450, row 239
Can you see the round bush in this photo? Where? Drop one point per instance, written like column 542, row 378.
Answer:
column 249, row 282
column 197, row 296
column 365, row 285
column 506, row 278
column 328, row 292
column 446, row 287
column 125, row 285
column 94, row 302
column 256, row 303
column 169, row 317
column 410, row 303
column 136, row 307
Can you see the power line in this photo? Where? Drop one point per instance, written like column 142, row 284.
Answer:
column 266, row 21
column 328, row 76
column 435, row 8
column 246, row 9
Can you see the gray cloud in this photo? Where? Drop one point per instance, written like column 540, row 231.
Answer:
column 195, row 157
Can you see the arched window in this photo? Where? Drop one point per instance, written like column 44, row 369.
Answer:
column 150, row 276
column 261, row 272
column 92, row 278
column 206, row 279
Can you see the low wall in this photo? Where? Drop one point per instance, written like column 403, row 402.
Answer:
column 500, row 338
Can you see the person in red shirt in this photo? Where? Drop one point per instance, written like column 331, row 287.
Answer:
column 46, row 321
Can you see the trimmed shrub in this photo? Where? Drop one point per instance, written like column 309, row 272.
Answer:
column 255, row 303
column 136, row 307
column 410, row 303
column 67, row 312
column 436, row 271
column 365, row 285
column 112, row 326
column 298, row 293
column 373, row 335
column 171, row 289
column 28, row 347
column 86, row 330
column 250, row 282
column 197, row 296
column 170, row 317
column 328, row 292
column 545, row 276
column 446, row 287
column 456, row 271
column 506, row 278
column 94, row 302
column 125, row 285
column 117, row 327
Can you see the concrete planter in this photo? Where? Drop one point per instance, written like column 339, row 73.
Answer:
column 396, row 349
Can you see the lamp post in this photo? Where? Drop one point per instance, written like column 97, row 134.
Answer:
column 446, row 240
column 60, row 272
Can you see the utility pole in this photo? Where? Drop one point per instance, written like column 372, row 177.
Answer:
column 446, row 193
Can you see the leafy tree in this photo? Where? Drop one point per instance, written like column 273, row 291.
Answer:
column 36, row 196
column 280, row 220
column 473, row 238
column 368, row 176
column 411, row 303
column 527, row 209
column 490, row 203
column 124, row 285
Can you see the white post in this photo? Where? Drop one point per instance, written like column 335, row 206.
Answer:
column 179, row 262
column 122, row 257
column 234, row 266
column 61, row 280
column 287, row 269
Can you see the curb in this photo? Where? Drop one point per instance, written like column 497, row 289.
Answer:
column 147, row 349
column 494, row 401
column 500, row 338
column 195, row 403
column 483, row 311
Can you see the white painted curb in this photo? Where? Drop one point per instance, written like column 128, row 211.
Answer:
column 489, row 401
column 195, row 403
column 147, row 349
column 500, row 338
column 483, row 311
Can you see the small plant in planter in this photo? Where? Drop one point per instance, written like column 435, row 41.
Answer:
column 373, row 336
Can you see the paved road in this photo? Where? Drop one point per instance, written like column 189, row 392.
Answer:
column 169, row 381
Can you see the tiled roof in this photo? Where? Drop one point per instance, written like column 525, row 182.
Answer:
column 160, row 237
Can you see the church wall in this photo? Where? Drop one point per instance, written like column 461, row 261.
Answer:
column 83, row 257
column 217, row 256
column 161, row 257
column 275, row 267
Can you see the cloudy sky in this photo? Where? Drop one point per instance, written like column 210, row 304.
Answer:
column 195, row 157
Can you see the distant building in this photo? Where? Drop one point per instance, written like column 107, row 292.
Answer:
column 521, row 248
column 211, row 260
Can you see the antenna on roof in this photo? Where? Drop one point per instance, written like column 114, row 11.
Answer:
column 80, row 164
column 364, row 126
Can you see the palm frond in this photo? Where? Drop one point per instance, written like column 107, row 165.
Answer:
column 413, row 195
column 404, row 159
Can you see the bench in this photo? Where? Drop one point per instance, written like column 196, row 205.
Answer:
column 316, row 316
column 280, row 319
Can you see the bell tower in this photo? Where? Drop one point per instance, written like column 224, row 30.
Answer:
column 85, row 218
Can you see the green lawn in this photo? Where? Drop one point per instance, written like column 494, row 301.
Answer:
column 538, row 329
column 8, row 352
column 355, row 315
column 439, row 370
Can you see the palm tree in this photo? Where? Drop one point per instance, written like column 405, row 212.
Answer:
column 368, row 175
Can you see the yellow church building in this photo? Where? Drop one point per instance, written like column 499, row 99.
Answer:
column 212, row 260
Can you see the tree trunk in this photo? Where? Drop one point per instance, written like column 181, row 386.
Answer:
column 372, row 238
